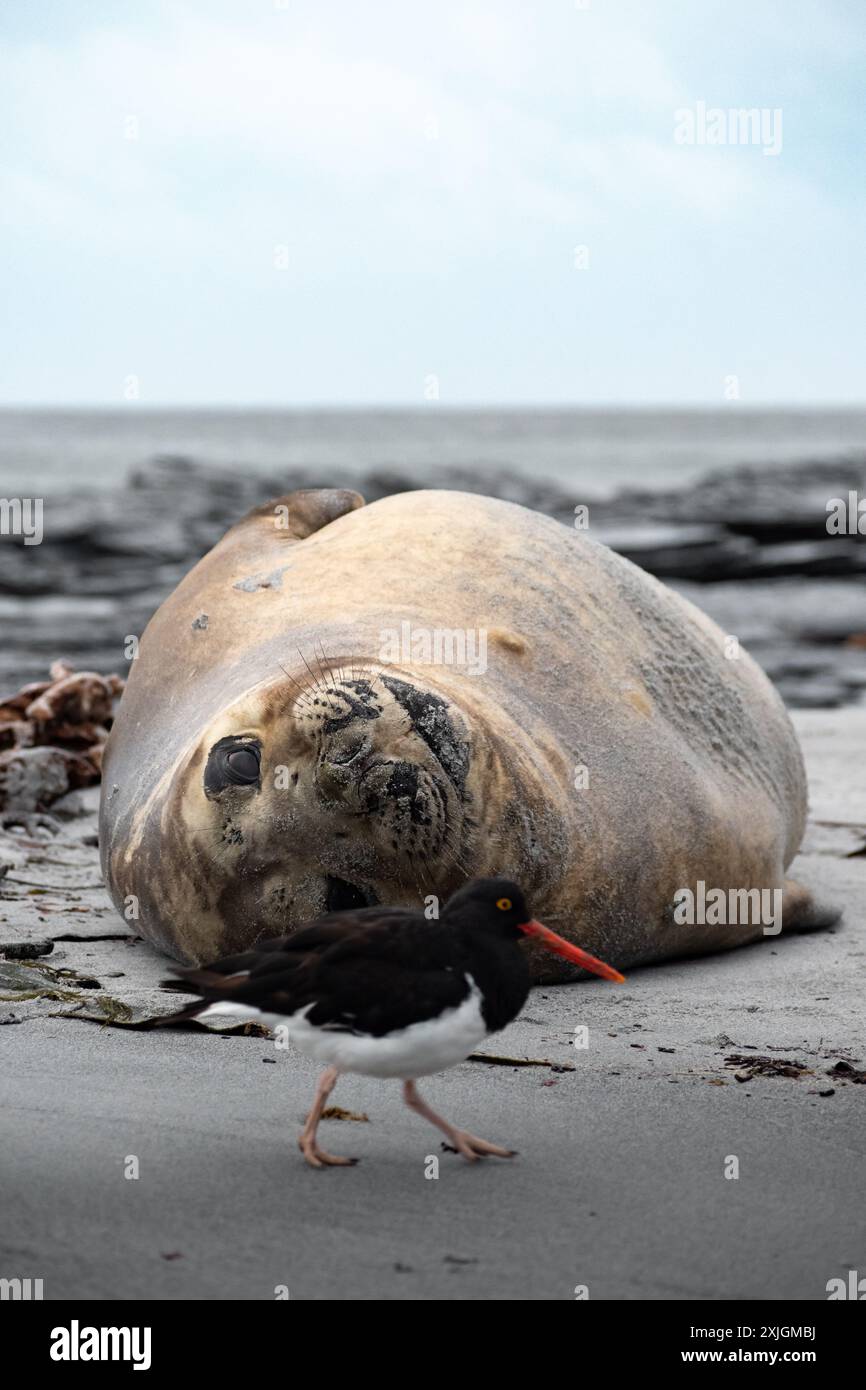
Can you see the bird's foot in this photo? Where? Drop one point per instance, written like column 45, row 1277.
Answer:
column 473, row 1148
column 318, row 1158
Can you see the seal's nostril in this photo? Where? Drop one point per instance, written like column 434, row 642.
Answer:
column 341, row 896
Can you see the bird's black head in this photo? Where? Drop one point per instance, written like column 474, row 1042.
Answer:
column 497, row 906
column 493, row 904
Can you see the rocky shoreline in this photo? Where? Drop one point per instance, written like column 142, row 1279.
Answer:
column 750, row 546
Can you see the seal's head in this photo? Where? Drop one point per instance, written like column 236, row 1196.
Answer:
column 346, row 789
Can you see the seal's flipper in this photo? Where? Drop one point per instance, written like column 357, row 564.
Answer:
column 300, row 514
column 800, row 911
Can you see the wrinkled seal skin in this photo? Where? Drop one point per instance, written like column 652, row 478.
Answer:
column 386, row 785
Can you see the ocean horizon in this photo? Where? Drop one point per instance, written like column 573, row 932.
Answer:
column 594, row 451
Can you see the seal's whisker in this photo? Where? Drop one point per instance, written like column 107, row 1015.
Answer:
column 450, row 854
column 457, row 860
column 330, row 676
column 334, row 675
column 420, row 869
column 289, row 677
column 426, row 873
column 219, row 847
column 320, row 662
column 377, row 674
column 316, row 683
column 302, row 695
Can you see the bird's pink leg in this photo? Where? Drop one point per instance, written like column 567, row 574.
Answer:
column 316, row 1157
column 466, row 1144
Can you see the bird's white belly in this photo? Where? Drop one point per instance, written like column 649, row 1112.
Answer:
column 418, row 1050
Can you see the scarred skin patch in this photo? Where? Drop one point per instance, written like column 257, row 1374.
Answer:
column 639, row 700
column 509, row 641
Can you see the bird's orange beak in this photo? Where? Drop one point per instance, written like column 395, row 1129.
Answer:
column 560, row 947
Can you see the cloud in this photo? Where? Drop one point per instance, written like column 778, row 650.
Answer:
column 215, row 110
column 463, row 144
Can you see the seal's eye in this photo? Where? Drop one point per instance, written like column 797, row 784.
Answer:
column 504, row 904
column 233, row 763
column 242, row 765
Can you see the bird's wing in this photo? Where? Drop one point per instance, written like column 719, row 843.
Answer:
column 388, row 975
column 377, row 996
column 276, row 953
column 328, row 930
column 381, row 974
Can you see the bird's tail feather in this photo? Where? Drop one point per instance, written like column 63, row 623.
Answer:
column 208, row 983
column 182, row 1016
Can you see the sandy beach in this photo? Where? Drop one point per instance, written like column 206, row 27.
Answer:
column 619, row 1184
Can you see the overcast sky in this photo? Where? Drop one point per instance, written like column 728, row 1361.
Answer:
column 335, row 202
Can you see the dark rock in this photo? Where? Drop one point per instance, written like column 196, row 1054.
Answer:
column 846, row 1072
column 702, row 553
column 31, row 778
column 26, row 950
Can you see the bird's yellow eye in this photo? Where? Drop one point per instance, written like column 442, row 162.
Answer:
column 504, row 904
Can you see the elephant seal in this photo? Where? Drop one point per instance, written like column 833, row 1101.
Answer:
column 344, row 705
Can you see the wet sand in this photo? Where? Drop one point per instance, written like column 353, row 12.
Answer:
column 619, row 1184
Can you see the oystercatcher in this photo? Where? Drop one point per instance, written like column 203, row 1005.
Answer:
column 386, row 992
